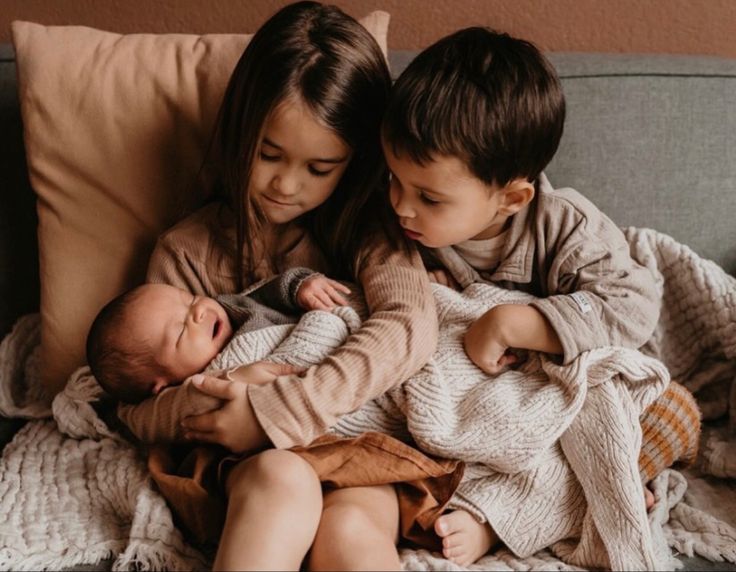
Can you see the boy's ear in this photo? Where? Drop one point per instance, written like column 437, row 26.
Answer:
column 515, row 196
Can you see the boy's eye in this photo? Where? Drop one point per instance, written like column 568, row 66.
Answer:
column 425, row 199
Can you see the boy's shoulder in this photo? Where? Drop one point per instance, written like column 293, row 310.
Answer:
column 564, row 209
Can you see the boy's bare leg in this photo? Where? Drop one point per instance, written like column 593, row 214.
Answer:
column 464, row 539
column 359, row 530
column 274, row 507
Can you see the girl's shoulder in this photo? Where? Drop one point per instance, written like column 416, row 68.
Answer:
column 196, row 253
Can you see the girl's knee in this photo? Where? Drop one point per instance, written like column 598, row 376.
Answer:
column 274, row 470
column 348, row 520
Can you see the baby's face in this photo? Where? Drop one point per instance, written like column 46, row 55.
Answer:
column 184, row 331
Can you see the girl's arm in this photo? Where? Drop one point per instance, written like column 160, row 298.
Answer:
column 396, row 340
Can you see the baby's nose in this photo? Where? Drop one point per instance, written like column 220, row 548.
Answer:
column 199, row 311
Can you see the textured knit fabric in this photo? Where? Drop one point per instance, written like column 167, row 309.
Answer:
column 570, row 255
column 397, row 339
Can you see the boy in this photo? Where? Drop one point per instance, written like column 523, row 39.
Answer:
column 158, row 335
column 472, row 123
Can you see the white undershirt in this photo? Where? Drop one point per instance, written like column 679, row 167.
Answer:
column 482, row 254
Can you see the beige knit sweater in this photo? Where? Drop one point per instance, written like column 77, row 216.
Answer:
column 395, row 341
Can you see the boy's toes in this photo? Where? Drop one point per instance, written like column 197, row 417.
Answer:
column 454, row 553
column 448, row 524
column 648, row 498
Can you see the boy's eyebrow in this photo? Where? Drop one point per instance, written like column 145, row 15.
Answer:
column 335, row 160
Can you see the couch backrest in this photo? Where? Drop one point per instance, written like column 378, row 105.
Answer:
column 669, row 122
column 652, row 141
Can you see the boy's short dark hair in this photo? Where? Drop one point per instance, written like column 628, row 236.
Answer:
column 123, row 368
column 491, row 100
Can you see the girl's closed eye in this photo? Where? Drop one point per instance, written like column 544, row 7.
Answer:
column 270, row 158
column 318, row 172
column 427, row 199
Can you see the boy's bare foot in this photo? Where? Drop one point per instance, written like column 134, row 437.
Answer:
column 648, row 498
column 464, row 539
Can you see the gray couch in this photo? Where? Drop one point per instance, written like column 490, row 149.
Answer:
column 650, row 139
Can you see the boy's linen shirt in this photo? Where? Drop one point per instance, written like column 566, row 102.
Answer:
column 562, row 248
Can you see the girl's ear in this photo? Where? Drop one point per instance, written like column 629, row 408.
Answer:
column 515, row 196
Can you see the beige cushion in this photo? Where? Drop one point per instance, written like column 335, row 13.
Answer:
column 115, row 130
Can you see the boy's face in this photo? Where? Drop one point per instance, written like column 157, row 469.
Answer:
column 442, row 203
column 184, row 331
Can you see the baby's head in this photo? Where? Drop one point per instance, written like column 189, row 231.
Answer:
column 471, row 124
column 154, row 336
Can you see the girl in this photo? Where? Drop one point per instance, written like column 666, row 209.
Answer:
column 301, row 181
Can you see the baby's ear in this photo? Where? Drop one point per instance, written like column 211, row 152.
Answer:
column 160, row 384
column 515, row 196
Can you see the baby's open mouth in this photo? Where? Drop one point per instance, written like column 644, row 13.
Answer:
column 216, row 329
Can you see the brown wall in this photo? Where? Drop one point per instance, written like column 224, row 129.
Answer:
column 667, row 26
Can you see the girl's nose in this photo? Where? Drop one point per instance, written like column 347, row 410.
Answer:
column 286, row 183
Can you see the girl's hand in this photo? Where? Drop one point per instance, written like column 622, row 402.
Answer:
column 234, row 425
column 321, row 293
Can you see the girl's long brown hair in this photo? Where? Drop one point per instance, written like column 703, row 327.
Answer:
column 328, row 60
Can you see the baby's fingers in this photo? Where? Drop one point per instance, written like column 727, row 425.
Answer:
column 338, row 286
column 335, row 296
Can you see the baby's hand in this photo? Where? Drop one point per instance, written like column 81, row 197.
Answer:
column 321, row 293
column 443, row 277
column 485, row 341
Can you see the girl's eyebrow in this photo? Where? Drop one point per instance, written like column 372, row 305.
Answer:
column 335, row 160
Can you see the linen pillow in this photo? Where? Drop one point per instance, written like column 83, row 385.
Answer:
column 115, row 128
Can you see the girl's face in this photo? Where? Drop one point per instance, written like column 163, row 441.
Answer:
column 298, row 164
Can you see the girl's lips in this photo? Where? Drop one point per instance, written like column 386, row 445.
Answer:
column 276, row 202
column 411, row 234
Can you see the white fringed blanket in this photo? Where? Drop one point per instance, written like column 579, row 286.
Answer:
column 72, row 492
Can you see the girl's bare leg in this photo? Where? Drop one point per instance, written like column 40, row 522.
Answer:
column 464, row 539
column 359, row 530
column 274, row 507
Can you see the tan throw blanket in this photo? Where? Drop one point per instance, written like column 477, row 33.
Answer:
column 444, row 407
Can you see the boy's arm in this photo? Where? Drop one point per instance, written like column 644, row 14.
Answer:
column 508, row 326
column 599, row 295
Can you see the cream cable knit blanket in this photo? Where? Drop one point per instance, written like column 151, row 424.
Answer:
column 120, row 515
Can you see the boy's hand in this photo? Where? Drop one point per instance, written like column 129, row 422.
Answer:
column 485, row 342
column 443, row 277
column 505, row 326
column 321, row 293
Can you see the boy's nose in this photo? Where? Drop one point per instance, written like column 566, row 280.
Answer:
column 403, row 208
